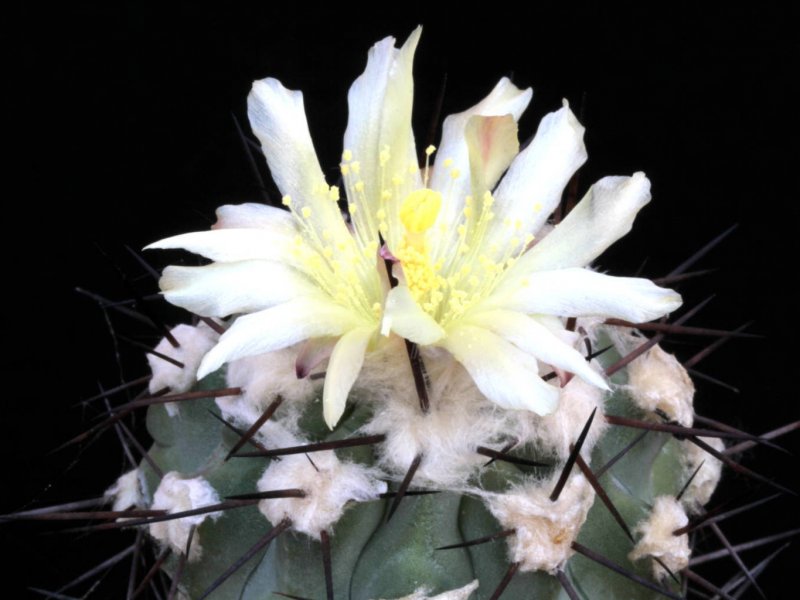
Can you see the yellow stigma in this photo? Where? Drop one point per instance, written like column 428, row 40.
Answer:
column 420, row 209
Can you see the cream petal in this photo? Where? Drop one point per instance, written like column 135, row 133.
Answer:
column 504, row 99
column 535, row 181
column 503, row 373
column 493, row 144
column 583, row 293
column 222, row 289
column 343, row 368
column 379, row 106
column 277, row 116
column 602, row 217
column 406, row 318
column 251, row 215
column 278, row 327
column 231, row 245
column 536, row 339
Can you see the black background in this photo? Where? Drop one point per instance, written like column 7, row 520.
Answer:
column 119, row 130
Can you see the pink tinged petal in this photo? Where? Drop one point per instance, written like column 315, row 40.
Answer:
column 343, row 368
column 602, row 217
column 583, row 293
column 504, row 99
column 231, row 245
column 222, row 289
column 532, row 187
column 278, row 327
column 493, row 144
column 278, row 119
column 536, row 339
column 312, row 354
column 379, row 116
column 406, row 318
column 253, row 216
column 503, row 373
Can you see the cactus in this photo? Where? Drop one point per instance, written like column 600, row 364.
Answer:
column 357, row 432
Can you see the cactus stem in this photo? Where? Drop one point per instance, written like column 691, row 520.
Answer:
column 287, row 493
column 682, row 329
column 686, row 485
column 500, row 455
column 258, row 546
column 704, row 558
column 235, row 429
column 151, row 573
column 482, row 540
column 639, row 350
column 265, row 416
column 498, row 591
column 601, row 471
column 702, row 582
column 573, row 455
column 316, row 447
column 587, row 472
column 325, row 546
column 110, row 392
column 737, row 467
column 713, row 380
column 737, row 559
column 602, row 560
column 251, row 162
column 672, row 279
column 771, row 435
column 725, row 427
column 148, row 350
column 401, row 491
column 567, row 585
column 715, row 516
column 712, row 347
column 173, row 589
column 681, row 268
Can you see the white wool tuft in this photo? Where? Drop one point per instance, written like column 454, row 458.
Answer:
column 705, row 482
column 459, row 420
column 175, row 494
column 461, row 593
column 657, row 539
column 553, row 434
column 656, row 380
column 127, row 491
column 263, row 378
column 327, row 490
column 545, row 530
column 194, row 343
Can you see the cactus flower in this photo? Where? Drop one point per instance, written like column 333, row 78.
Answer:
column 472, row 271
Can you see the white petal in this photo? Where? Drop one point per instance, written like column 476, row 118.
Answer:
column 343, row 368
column 503, row 373
column 251, row 215
column 536, row 339
column 379, row 107
column 583, row 293
column 532, row 187
column 222, row 289
column 407, row 319
column 278, row 119
column 278, row 327
column 493, row 144
column 602, row 217
column 231, row 245
column 504, row 99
